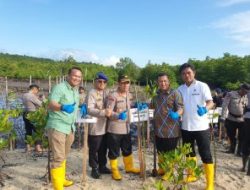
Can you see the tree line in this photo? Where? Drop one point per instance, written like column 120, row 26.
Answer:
column 226, row 72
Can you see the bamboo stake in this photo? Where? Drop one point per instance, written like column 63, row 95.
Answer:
column 85, row 154
column 85, row 76
column 6, row 91
column 30, row 79
column 148, row 130
column 49, row 84
column 139, row 139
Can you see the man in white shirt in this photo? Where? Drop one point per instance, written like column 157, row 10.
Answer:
column 197, row 101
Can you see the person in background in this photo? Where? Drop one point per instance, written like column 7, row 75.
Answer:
column 232, row 115
column 217, row 97
column 246, row 136
column 118, row 132
column 168, row 105
column 197, row 100
column 82, row 95
column 31, row 102
column 97, row 140
column 63, row 104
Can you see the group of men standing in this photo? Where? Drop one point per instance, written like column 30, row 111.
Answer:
column 180, row 112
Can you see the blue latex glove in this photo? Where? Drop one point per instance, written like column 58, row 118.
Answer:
column 68, row 108
column 141, row 106
column 83, row 110
column 174, row 115
column 201, row 110
column 123, row 115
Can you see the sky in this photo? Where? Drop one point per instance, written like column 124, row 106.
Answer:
column 103, row 31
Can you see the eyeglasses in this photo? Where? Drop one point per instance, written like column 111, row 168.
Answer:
column 102, row 81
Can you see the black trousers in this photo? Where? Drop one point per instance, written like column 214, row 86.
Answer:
column 232, row 127
column 97, row 150
column 246, row 137
column 117, row 142
column 165, row 144
column 29, row 128
column 202, row 139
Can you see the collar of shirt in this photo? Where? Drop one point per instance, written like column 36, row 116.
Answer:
column 193, row 83
column 167, row 92
column 69, row 86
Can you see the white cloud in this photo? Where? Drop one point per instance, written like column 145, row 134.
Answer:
column 112, row 60
column 80, row 56
column 225, row 3
column 236, row 27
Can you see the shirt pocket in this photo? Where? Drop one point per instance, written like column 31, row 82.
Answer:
column 67, row 98
column 99, row 104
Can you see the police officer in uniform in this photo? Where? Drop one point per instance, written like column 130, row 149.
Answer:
column 31, row 102
column 232, row 114
column 118, row 128
column 97, row 131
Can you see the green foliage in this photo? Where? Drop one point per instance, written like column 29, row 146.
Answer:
column 233, row 86
column 3, row 143
column 151, row 90
column 176, row 165
column 16, row 66
column 6, row 125
column 128, row 67
column 225, row 72
column 39, row 120
column 151, row 71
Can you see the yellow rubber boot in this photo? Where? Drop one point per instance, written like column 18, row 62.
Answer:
column 129, row 165
column 209, row 172
column 57, row 177
column 160, row 170
column 190, row 173
column 114, row 169
column 66, row 183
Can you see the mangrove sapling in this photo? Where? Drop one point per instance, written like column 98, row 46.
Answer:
column 7, row 134
column 39, row 120
column 176, row 166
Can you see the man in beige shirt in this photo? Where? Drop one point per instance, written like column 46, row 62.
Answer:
column 31, row 102
column 97, row 132
column 232, row 114
column 118, row 128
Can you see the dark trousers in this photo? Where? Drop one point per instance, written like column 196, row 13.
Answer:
column 29, row 128
column 246, row 137
column 232, row 127
column 202, row 139
column 165, row 144
column 97, row 150
column 117, row 142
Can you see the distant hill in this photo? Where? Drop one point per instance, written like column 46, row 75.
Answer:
column 226, row 72
column 22, row 66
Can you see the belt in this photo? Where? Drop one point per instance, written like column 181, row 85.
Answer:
column 236, row 116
